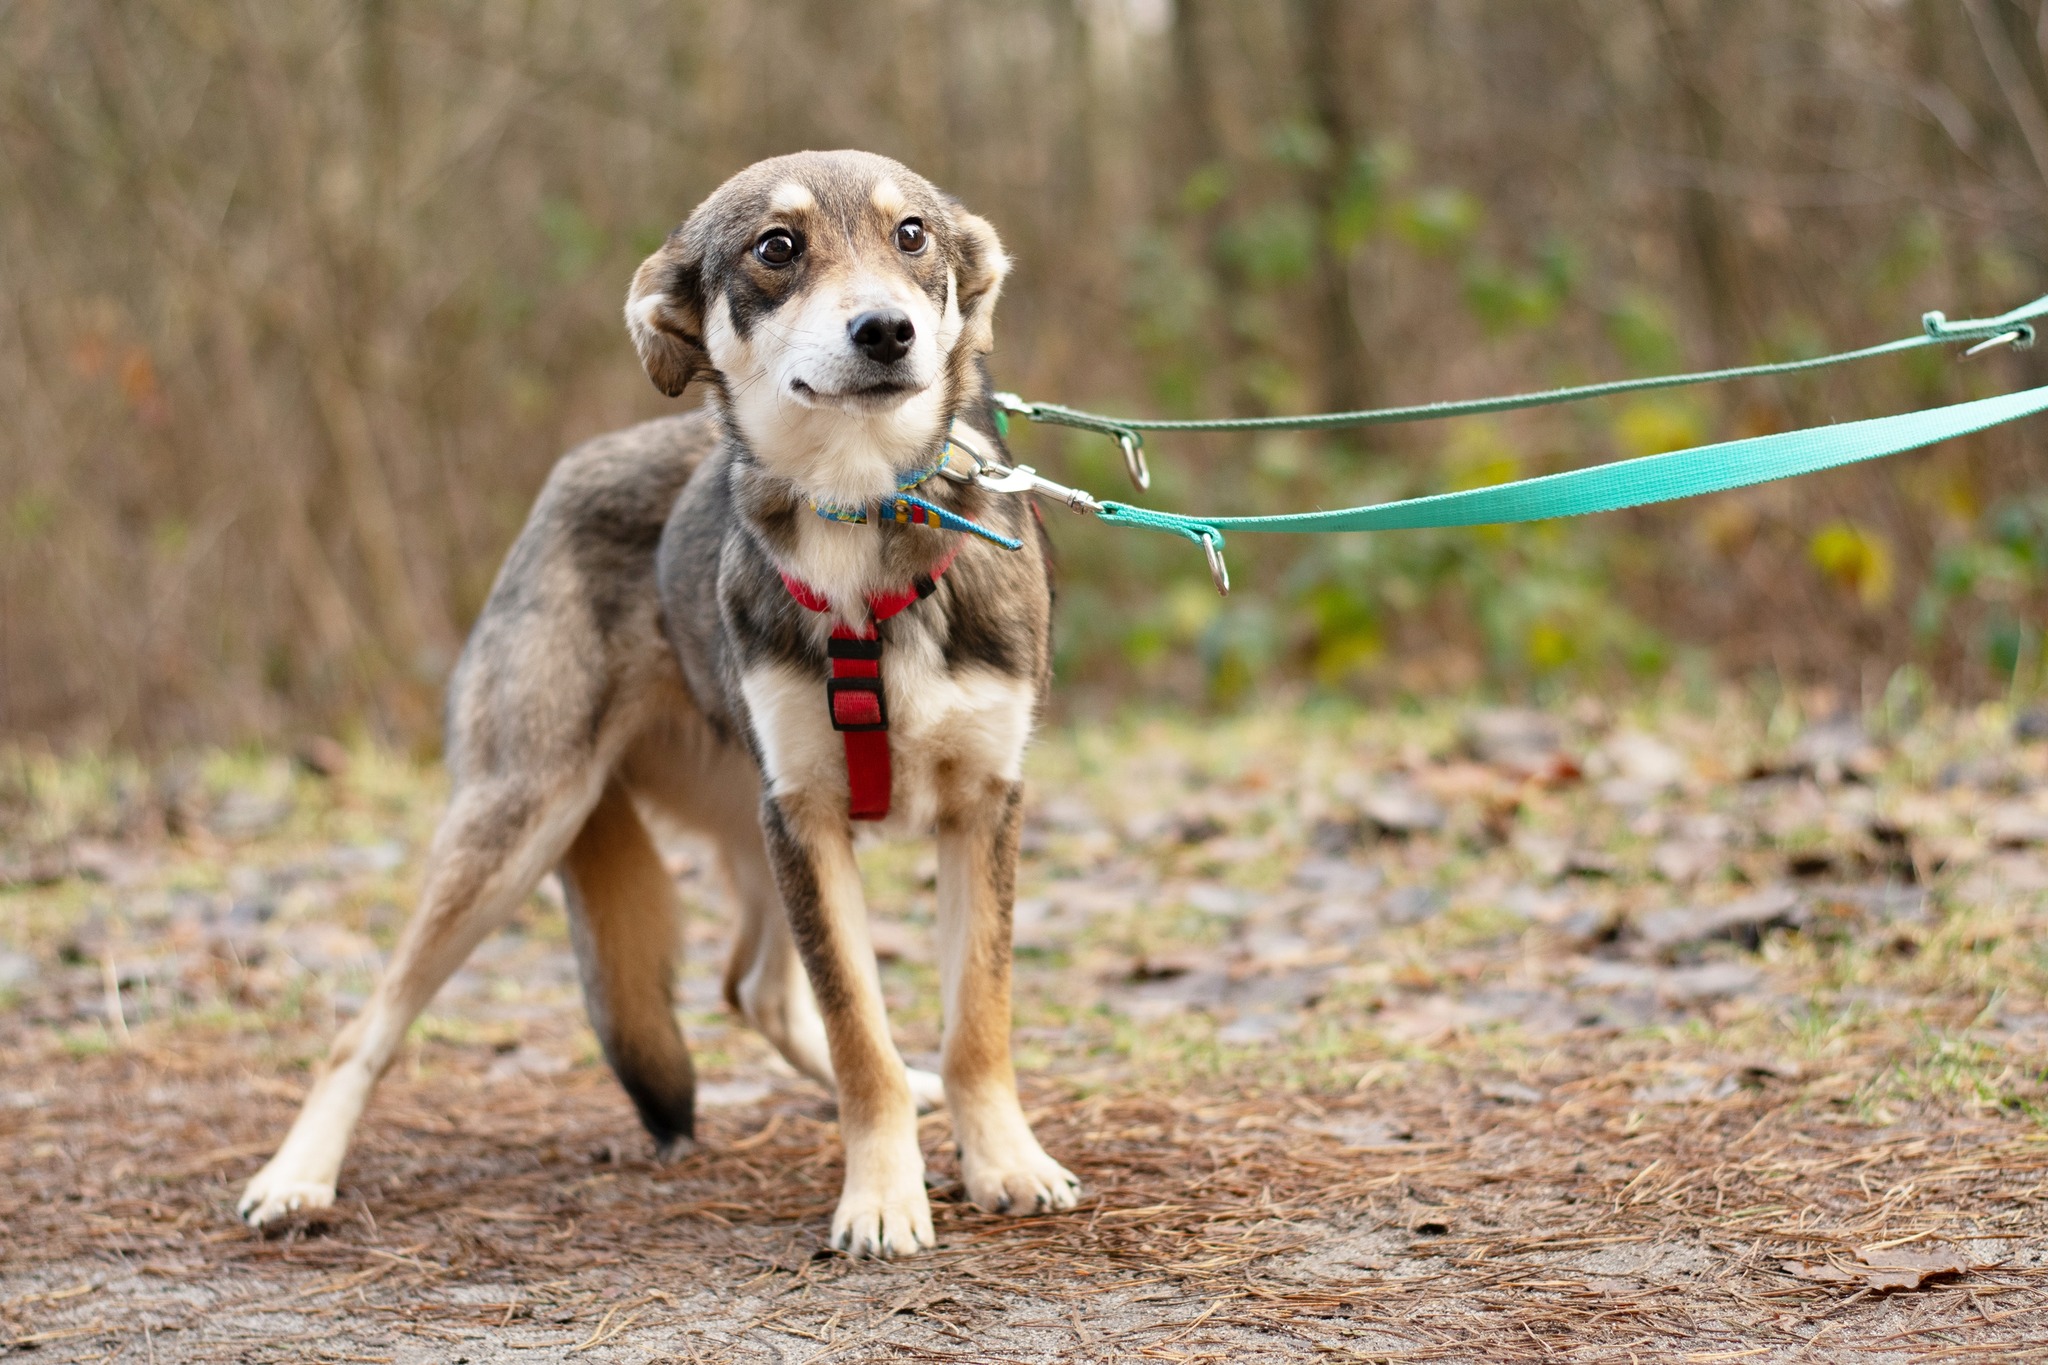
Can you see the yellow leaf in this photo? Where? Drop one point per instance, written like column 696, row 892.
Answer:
column 1651, row 426
column 1856, row 559
column 1549, row 647
column 1478, row 455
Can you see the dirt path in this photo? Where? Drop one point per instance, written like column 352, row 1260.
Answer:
column 1427, row 1038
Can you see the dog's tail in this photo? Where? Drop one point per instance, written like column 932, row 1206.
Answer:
column 624, row 920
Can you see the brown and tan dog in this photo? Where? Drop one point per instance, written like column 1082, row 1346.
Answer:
column 715, row 619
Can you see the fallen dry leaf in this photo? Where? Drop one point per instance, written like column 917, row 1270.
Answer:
column 1894, row 1268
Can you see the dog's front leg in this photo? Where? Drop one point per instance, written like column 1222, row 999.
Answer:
column 883, row 1209
column 1001, row 1164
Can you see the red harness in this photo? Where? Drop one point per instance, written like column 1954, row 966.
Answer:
column 854, row 692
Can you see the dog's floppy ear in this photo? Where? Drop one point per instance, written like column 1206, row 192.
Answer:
column 981, row 270
column 665, row 314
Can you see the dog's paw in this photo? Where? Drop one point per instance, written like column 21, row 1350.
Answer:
column 273, row 1196
column 1022, row 1181
column 884, row 1223
column 669, row 1150
column 927, row 1091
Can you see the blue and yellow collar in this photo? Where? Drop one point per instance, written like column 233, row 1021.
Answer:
column 905, row 509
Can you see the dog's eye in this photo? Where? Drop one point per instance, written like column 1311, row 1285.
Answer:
column 776, row 247
column 910, row 236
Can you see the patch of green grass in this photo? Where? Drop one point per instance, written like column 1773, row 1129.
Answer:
column 457, row 1031
column 87, row 1042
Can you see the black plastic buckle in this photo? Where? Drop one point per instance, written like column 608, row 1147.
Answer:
column 846, row 647
column 834, row 686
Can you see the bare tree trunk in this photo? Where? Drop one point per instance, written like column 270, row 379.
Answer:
column 1689, row 60
column 1197, row 96
column 1348, row 381
column 373, row 513
column 376, row 346
column 333, row 620
column 1201, row 102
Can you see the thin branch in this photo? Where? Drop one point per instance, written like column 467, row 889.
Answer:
column 2012, row 81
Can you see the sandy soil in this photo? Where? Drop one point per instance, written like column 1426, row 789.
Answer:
column 1445, row 1036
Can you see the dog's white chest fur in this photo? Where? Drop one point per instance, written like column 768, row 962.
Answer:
column 949, row 729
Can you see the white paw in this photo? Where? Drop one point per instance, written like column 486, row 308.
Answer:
column 1022, row 1181
column 271, row 1197
column 926, row 1090
column 675, row 1149
column 884, row 1223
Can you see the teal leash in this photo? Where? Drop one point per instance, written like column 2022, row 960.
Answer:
column 1626, row 483
column 1600, row 488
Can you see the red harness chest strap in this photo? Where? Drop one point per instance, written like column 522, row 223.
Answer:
column 853, row 694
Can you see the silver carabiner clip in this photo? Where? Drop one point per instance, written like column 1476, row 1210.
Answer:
column 999, row 479
column 1219, row 572
column 1024, row 479
column 1076, row 499
column 1134, row 460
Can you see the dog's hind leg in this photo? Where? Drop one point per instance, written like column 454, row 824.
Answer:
column 496, row 842
column 696, row 781
column 625, row 921
column 765, row 980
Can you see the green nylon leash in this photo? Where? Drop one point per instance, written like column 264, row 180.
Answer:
column 1935, row 329
column 1599, row 488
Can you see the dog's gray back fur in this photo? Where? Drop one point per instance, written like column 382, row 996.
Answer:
column 571, row 630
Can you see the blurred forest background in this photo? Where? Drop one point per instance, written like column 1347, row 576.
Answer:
column 299, row 302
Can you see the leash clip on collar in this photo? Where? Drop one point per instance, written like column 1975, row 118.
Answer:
column 1129, row 440
column 997, row 477
column 1001, row 478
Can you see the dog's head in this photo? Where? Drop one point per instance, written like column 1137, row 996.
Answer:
column 837, row 302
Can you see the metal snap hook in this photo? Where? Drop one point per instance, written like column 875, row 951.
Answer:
column 1219, row 572
column 952, row 470
column 1134, row 460
column 997, row 479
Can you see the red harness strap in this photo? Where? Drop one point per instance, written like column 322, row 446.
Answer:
column 853, row 694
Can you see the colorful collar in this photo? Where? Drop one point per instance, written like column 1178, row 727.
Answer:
column 905, row 509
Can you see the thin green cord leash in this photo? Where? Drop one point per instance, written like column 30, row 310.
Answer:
column 1601, row 488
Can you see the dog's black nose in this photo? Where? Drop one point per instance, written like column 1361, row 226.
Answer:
column 884, row 334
